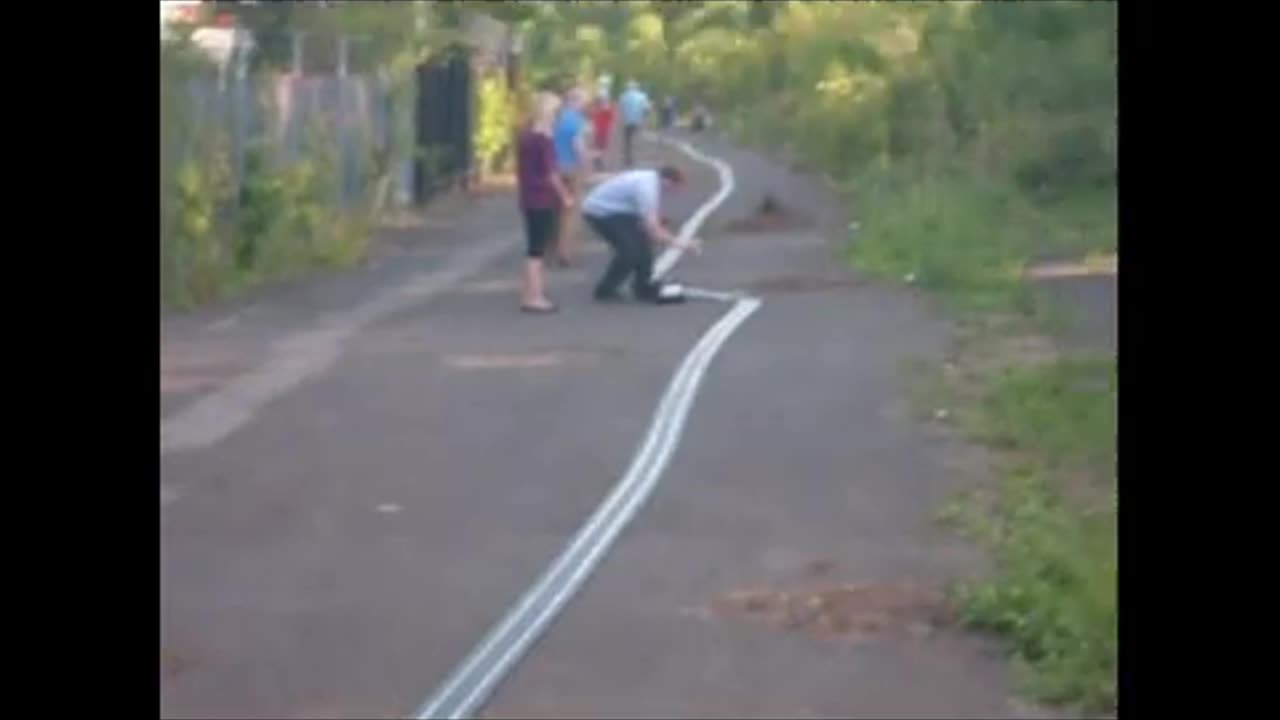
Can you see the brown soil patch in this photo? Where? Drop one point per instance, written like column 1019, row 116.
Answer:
column 770, row 215
column 530, row 360
column 197, row 369
column 854, row 611
column 172, row 664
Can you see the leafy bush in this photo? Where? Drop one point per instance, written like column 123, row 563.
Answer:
column 495, row 123
column 195, row 251
column 217, row 238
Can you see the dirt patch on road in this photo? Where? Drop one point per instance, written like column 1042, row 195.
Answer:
column 192, row 368
column 770, row 215
column 851, row 611
column 174, row 664
column 549, row 358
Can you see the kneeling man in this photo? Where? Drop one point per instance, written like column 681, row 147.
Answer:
column 624, row 211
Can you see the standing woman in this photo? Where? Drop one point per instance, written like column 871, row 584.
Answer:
column 542, row 195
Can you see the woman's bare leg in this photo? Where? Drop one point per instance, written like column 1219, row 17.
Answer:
column 567, row 243
column 533, row 293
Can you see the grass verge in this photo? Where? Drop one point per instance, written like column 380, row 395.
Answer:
column 1051, row 525
column 1048, row 416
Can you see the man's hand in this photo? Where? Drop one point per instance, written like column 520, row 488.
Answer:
column 693, row 245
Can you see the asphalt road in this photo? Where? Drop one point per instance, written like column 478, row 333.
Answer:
column 341, row 550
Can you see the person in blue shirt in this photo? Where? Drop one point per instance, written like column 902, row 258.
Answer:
column 634, row 105
column 572, row 160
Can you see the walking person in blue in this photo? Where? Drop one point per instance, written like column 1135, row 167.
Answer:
column 572, row 159
column 634, row 105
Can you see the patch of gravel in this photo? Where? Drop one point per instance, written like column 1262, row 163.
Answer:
column 855, row 612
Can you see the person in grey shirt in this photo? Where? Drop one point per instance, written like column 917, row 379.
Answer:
column 624, row 212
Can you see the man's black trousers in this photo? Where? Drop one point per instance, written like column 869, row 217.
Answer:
column 632, row 256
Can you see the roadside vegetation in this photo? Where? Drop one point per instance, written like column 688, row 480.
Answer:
column 970, row 139
column 222, row 231
column 240, row 205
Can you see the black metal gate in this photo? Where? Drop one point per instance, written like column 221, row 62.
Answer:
column 444, row 120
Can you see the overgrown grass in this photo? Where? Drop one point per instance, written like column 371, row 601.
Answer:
column 1053, row 594
column 280, row 226
column 220, row 236
column 967, row 240
column 217, row 240
column 1065, row 413
column 1051, row 522
column 942, row 235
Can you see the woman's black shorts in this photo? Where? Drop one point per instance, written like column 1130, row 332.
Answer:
column 539, row 228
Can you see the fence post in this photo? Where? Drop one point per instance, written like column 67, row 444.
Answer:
column 238, row 66
column 343, row 127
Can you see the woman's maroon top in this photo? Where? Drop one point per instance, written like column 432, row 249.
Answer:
column 535, row 164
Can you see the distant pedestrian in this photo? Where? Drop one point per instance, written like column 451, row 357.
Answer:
column 624, row 211
column 701, row 119
column 602, row 114
column 634, row 106
column 542, row 194
column 572, row 154
column 669, row 113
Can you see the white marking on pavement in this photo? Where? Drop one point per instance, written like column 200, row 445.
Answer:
column 471, row 684
column 389, row 508
column 672, row 255
column 225, row 323
column 508, row 643
column 306, row 354
column 697, row 293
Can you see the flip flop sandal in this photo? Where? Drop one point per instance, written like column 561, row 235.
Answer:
column 539, row 310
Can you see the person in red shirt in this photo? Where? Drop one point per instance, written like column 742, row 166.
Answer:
column 602, row 114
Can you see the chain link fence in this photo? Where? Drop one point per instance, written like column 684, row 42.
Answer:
column 274, row 112
column 259, row 156
column 266, row 170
